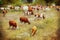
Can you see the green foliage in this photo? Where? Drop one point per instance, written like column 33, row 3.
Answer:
column 1, row 2
column 57, row 2
column 39, row 2
column 17, row 4
column 20, row 2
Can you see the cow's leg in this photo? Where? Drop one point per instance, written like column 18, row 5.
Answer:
column 10, row 26
column 33, row 32
column 43, row 17
column 21, row 21
column 15, row 26
column 25, row 13
column 32, row 13
column 28, row 13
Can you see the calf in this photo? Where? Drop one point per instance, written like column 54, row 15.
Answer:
column 13, row 24
column 40, row 16
column 34, row 29
column 24, row 19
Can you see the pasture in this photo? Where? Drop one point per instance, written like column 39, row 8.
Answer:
column 46, row 28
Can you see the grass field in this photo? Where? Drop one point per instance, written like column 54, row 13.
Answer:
column 46, row 28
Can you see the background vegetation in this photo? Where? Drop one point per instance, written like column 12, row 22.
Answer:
column 20, row 2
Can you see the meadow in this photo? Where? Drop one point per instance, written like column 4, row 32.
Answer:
column 46, row 28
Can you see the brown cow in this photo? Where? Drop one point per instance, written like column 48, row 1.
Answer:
column 24, row 19
column 30, row 10
column 13, row 24
column 4, row 12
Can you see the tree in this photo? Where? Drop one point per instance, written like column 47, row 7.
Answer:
column 29, row 1
column 49, row 2
column 13, row 2
column 42, row 2
column 0, row 3
column 57, row 2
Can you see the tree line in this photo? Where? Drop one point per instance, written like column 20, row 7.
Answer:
column 19, row 2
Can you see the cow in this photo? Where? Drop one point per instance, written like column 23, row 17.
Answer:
column 58, row 8
column 34, row 7
column 4, row 11
column 2, row 8
column 13, row 24
column 34, row 29
column 30, row 10
column 39, row 16
column 17, row 8
column 25, row 9
column 12, row 7
column 39, row 7
column 7, row 8
column 24, row 19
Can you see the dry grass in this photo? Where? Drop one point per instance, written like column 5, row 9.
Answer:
column 45, row 28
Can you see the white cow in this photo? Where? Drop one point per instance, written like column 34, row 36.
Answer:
column 17, row 8
column 47, row 8
column 25, row 9
column 7, row 8
column 2, row 8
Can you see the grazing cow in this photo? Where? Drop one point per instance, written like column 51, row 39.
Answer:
column 34, row 7
column 53, row 5
column 12, row 7
column 40, row 16
column 4, row 12
column 17, row 8
column 46, row 9
column 58, row 8
column 38, row 7
column 34, row 29
column 13, row 24
column 2, row 8
column 37, row 15
column 24, row 19
column 7, row 8
column 30, row 10
column 25, row 9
